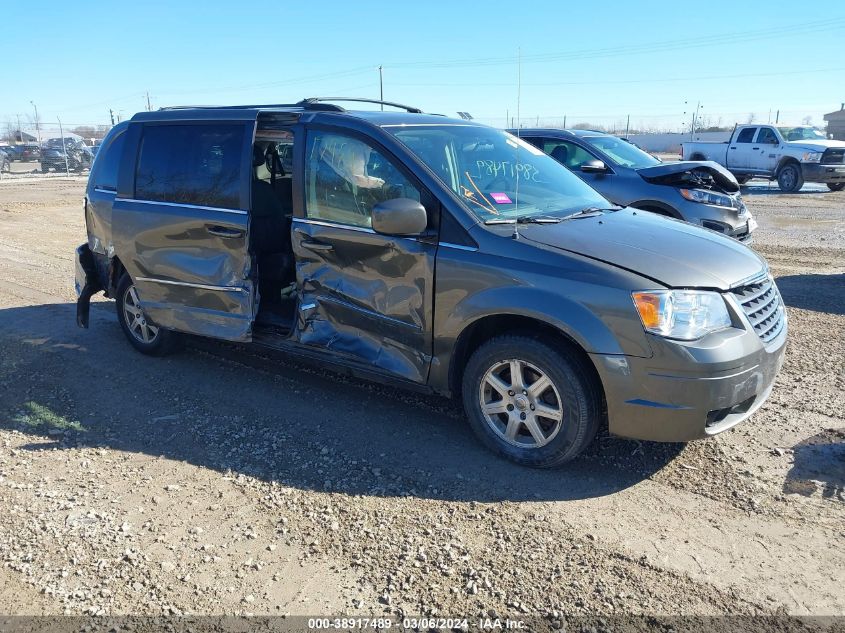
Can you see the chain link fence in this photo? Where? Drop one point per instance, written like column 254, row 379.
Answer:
column 39, row 149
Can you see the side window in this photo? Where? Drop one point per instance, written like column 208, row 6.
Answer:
column 191, row 164
column 107, row 164
column 345, row 178
column 746, row 135
column 767, row 136
column 568, row 154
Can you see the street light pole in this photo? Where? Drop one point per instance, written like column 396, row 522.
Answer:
column 37, row 125
column 381, row 85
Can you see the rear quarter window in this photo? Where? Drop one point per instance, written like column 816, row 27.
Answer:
column 107, row 162
column 191, row 164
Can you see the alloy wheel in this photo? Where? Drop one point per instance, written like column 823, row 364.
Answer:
column 136, row 321
column 520, row 403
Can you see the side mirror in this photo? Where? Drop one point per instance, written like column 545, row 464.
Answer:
column 399, row 216
column 594, row 167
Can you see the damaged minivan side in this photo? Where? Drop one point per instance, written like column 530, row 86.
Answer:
column 435, row 254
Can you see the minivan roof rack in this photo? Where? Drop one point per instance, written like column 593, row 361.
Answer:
column 311, row 103
column 319, row 100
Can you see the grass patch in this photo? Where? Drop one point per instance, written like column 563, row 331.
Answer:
column 39, row 417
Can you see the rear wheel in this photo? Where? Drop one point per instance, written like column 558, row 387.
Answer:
column 743, row 179
column 836, row 186
column 144, row 336
column 45, row 168
column 530, row 402
column 790, row 179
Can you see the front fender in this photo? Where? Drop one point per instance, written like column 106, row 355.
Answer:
column 617, row 332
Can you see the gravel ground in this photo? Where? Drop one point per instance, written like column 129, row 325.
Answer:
column 224, row 480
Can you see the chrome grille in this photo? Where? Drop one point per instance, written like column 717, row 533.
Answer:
column 761, row 302
column 833, row 156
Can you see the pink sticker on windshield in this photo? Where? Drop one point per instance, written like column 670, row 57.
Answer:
column 501, row 198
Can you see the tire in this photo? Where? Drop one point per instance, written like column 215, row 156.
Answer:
column 697, row 157
column 144, row 336
column 790, row 179
column 572, row 393
column 742, row 179
column 45, row 168
column 836, row 186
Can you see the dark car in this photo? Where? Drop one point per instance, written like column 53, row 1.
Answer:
column 68, row 154
column 9, row 151
column 29, row 152
column 703, row 193
column 433, row 254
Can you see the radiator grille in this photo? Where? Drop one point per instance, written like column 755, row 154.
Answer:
column 833, row 156
column 761, row 302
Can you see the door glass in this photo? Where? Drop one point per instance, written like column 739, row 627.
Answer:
column 767, row 136
column 191, row 164
column 567, row 154
column 346, row 178
column 746, row 135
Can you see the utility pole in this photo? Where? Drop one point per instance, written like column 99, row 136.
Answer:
column 20, row 133
column 627, row 126
column 37, row 124
column 381, row 85
column 564, row 121
column 149, row 108
column 777, row 117
column 64, row 149
column 111, row 114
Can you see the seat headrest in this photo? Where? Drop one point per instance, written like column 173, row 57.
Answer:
column 257, row 155
column 560, row 153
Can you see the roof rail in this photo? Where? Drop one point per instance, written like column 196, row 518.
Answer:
column 312, row 101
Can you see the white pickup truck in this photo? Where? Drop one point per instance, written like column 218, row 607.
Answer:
column 791, row 155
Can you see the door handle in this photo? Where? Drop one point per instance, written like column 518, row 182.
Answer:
column 733, row 148
column 222, row 231
column 312, row 245
column 755, row 148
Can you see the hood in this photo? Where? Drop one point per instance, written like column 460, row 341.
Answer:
column 671, row 252
column 691, row 174
column 816, row 146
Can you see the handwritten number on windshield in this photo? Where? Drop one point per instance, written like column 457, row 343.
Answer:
column 507, row 169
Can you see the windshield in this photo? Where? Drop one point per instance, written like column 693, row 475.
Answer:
column 802, row 134
column 497, row 175
column 622, row 152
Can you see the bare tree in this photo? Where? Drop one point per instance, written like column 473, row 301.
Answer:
column 751, row 117
column 807, row 120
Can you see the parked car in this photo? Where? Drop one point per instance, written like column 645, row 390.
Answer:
column 9, row 151
column 790, row 155
column 702, row 193
column 71, row 154
column 435, row 254
column 29, row 152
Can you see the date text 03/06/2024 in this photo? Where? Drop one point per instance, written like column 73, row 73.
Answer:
column 411, row 623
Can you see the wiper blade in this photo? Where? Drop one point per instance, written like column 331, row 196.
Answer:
column 526, row 219
column 588, row 212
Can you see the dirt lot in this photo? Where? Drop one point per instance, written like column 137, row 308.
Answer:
column 220, row 480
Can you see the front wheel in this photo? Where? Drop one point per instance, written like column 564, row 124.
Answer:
column 144, row 336
column 836, row 186
column 743, row 179
column 530, row 402
column 790, row 179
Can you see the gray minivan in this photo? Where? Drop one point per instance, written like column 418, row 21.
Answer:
column 435, row 254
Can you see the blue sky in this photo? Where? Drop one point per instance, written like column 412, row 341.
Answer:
column 590, row 61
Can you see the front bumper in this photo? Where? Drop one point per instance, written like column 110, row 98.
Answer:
column 690, row 390
column 815, row 172
column 735, row 223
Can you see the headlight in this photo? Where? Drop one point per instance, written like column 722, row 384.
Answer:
column 682, row 314
column 811, row 157
column 708, row 197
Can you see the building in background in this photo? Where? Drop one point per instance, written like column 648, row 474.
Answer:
column 836, row 123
